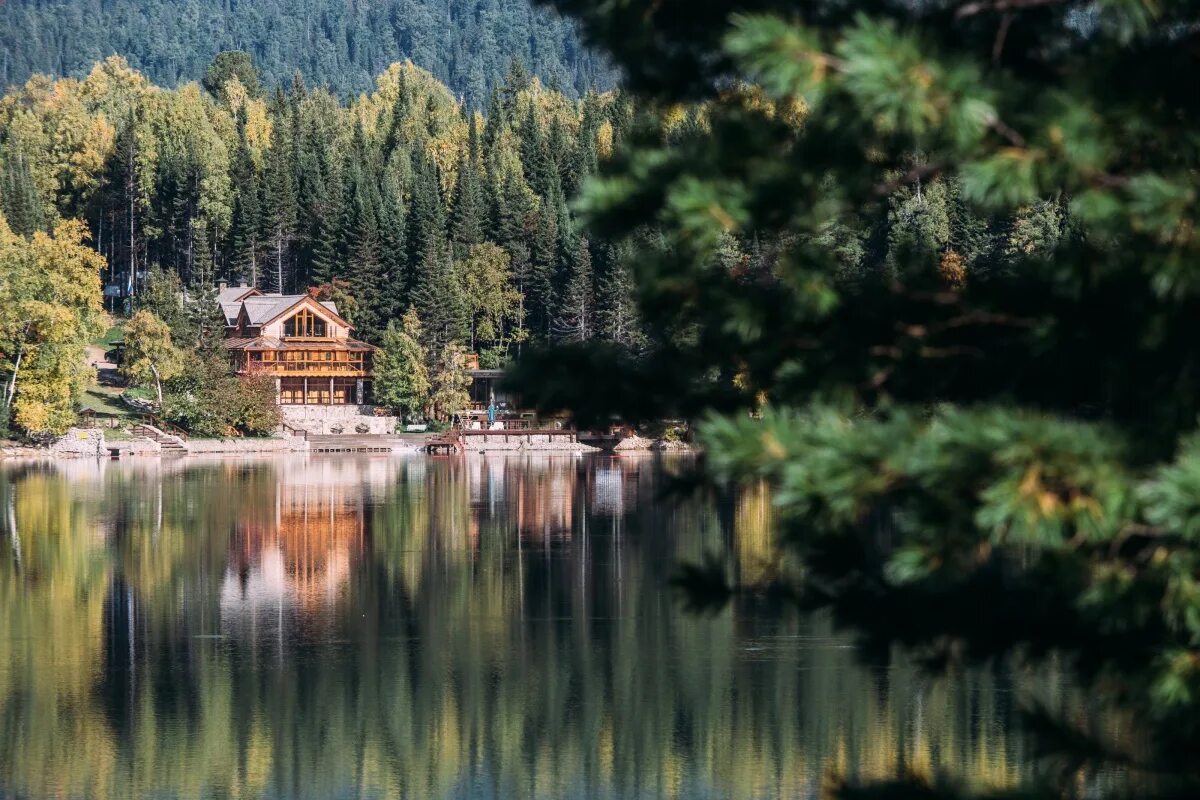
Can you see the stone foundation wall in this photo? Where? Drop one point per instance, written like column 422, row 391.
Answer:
column 247, row 445
column 325, row 420
column 81, row 442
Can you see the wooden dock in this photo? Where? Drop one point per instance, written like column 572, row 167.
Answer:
column 444, row 443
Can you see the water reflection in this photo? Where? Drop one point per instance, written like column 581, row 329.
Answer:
column 412, row 627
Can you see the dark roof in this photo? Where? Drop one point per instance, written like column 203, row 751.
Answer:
column 231, row 294
column 260, row 307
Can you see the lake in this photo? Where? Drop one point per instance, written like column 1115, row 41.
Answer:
column 405, row 626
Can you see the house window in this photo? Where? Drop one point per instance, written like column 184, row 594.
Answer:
column 291, row 391
column 304, row 324
column 345, row 391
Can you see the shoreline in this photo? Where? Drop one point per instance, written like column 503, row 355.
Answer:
column 85, row 443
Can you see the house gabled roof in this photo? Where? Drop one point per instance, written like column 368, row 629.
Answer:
column 266, row 308
column 232, row 294
column 230, row 299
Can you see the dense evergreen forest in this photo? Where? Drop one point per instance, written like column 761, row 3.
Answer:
column 466, row 44
column 402, row 198
column 406, row 206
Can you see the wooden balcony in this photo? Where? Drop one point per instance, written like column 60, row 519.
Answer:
column 311, row 369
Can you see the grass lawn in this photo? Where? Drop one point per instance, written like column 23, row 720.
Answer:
column 113, row 335
column 105, row 400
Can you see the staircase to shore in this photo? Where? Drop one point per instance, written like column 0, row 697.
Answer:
column 168, row 444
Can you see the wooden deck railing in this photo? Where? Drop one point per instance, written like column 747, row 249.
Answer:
column 156, row 421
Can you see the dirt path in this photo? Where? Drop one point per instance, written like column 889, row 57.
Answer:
column 106, row 371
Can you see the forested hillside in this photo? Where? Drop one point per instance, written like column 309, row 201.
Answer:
column 406, row 199
column 466, row 44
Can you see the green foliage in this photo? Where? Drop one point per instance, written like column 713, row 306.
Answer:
column 207, row 400
column 919, row 233
column 257, row 412
column 451, row 382
column 163, row 297
column 401, row 377
column 494, row 306
column 467, row 45
column 150, row 357
column 231, row 65
column 50, row 310
column 387, row 195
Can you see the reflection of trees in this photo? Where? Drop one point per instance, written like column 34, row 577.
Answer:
column 470, row 641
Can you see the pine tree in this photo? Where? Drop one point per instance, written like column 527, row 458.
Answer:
column 326, row 213
column 396, row 278
column 616, row 310
column 536, row 161
column 513, row 214
column 544, row 263
column 980, row 471
column 246, row 226
column 279, row 212
column 439, row 300
column 574, row 320
column 426, row 222
column 20, row 201
column 364, row 244
column 467, row 208
column 205, row 318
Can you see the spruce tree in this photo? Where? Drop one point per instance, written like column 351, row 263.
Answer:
column 326, row 213
column 363, row 242
column 616, row 313
column 206, row 320
column 20, row 201
column 544, row 262
column 467, row 208
column 245, row 233
column 279, row 212
column 439, row 300
column 426, row 222
column 396, row 279
column 574, row 320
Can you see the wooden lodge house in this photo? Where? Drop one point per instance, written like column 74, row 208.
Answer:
column 304, row 343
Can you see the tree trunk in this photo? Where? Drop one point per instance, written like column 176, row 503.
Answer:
column 12, row 383
column 157, row 385
column 279, row 260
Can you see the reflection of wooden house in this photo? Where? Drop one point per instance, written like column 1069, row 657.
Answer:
column 304, row 343
column 543, row 500
column 305, row 549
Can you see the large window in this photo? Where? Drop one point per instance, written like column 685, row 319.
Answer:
column 291, row 391
column 304, row 324
column 345, row 391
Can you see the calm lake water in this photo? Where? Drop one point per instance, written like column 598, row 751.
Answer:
column 481, row 627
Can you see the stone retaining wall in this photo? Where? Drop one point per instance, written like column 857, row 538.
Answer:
column 80, row 442
column 272, row 445
column 323, row 420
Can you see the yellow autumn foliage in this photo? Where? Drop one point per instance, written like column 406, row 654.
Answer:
column 50, row 308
